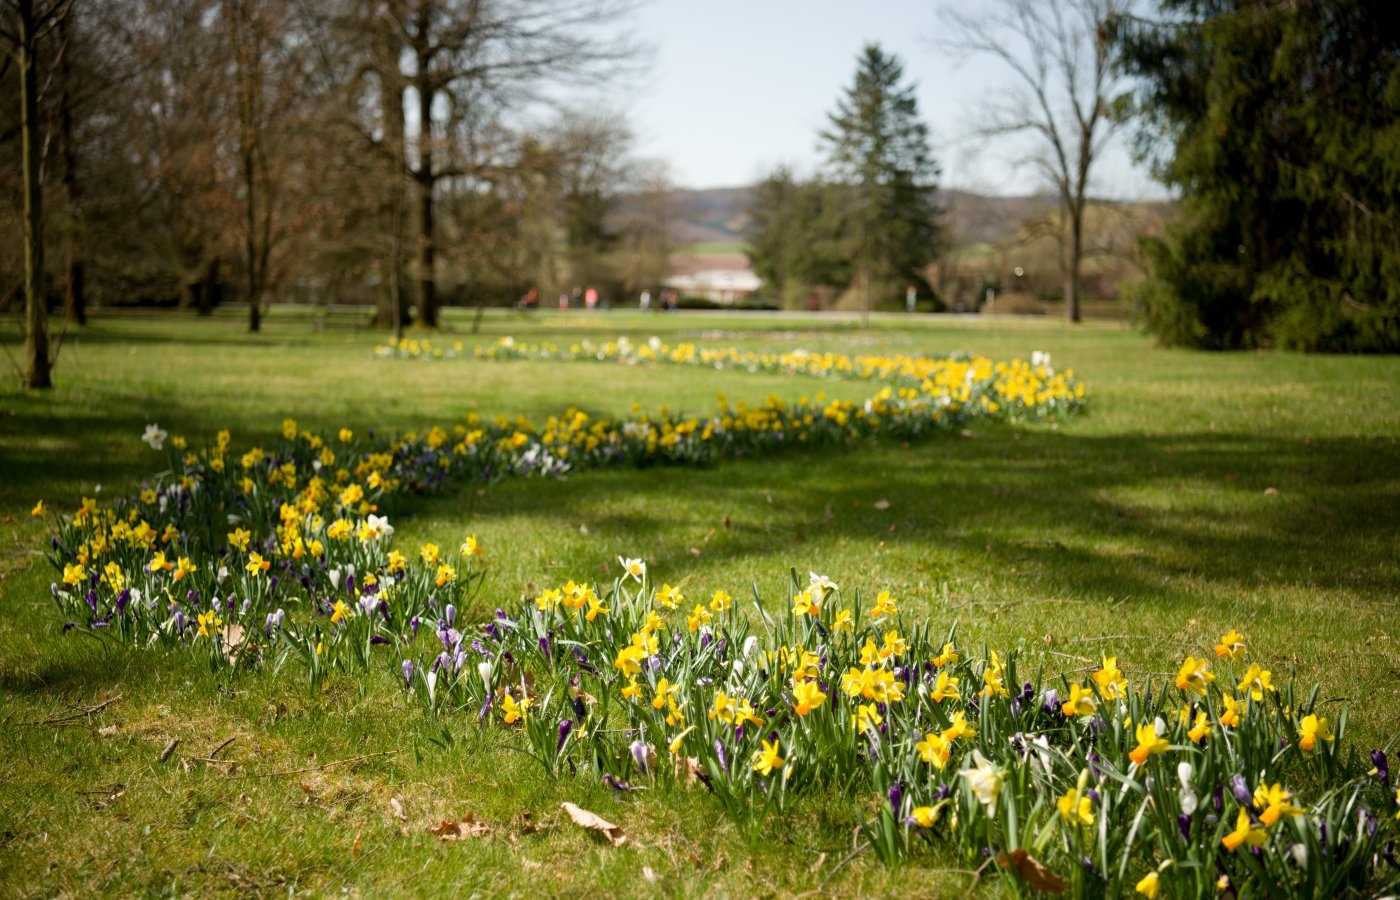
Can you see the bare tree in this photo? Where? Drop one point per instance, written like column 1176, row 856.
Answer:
column 461, row 53
column 25, row 24
column 1062, row 62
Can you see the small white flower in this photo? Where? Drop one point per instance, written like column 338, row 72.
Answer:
column 1040, row 358
column 334, row 575
column 484, row 670
column 234, row 519
column 223, row 573
column 378, row 526
column 155, row 436
column 820, row 586
column 636, row 568
column 750, row 644
column 1188, row 794
column 985, row 780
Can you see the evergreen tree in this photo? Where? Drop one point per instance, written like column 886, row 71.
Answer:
column 878, row 155
column 1281, row 119
column 796, row 236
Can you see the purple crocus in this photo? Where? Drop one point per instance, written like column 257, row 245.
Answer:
column 896, row 796
column 451, row 615
column 407, row 672
column 720, row 756
column 639, row 754
column 1382, row 766
column 1240, row 788
column 565, row 727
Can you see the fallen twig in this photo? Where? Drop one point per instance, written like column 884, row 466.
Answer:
column 215, row 752
column 81, row 713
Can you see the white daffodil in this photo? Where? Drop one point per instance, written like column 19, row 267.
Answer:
column 985, row 780
column 636, row 568
column 155, row 436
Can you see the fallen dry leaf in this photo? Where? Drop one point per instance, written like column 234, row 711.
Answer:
column 1032, row 872
column 469, row 826
column 649, row 874
column 397, row 807
column 882, row 504
column 592, row 821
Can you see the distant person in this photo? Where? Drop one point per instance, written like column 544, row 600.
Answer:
column 563, row 301
column 645, row 301
column 911, row 298
column 590, row 298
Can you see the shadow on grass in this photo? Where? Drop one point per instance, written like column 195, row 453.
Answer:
column 1097, row 517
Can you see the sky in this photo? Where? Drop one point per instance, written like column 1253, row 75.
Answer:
column 735, row 88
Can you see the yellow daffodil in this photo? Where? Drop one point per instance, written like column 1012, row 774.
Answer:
column 1273, row 802
column 208, row 623
column 430, row 553
column 1081, row 702
column 806, row 696
column 1230, row 717
column 674, row 747
column 1311, row 730
column 513, row 711
column 73, row 574
column 959, row 728
column 947, row 657
column 1112, row 684
column 239, row 538
column 699, row 617
column 945, row 687
column 1201, row 730
column 1244, row 833
column 843, row 621
column 1149, row 886
column 934, row 749
column 767, row 759
column 664, row 689
column 471, row 547
column 721, row 601
column 631, row 690
column 1231, row 644
column 804, row 605
column 669, row 597
column 993, row 679
column 1193, row 676
column 894, row 645
column 867, row 717
column 159, row 563
column 256, row 564
column 38, row 510
column 341, row 611
column 1257, row 681
column 925, row 816
column 885, row 605
column 595, row 608
column 629, row 659
column 1149, row 743
column 1076, row 809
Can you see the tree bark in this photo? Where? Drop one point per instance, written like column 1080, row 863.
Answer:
column 427, row 282
column 1076, row 231
column 38, row 372
column 75, row 300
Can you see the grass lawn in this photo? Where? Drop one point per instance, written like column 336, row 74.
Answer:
column 1200, row 492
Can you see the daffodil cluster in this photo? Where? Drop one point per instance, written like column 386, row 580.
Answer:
column 1216, row 777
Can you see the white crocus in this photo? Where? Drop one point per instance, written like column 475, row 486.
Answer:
column 1188, row 794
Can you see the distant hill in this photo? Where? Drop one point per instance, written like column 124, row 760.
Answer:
column 720, row 215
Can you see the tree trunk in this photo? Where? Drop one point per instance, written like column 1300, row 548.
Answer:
column 427, row 283
column 1076, row 230
column 38, row 372
column 204, row 294
column 74, row 300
